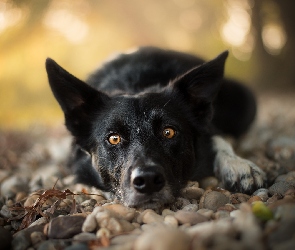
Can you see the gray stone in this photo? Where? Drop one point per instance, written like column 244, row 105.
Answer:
column 77, row 246
column 14, row 184
column 191, row 207
column 283, row 233
column 280, row 188
column 5, row 212
column 5, row 238
column 65, row 227
column 213, row 200
column 21, row 241
column 285, row 212
column 262, row 193
column 222, row 214
column 37, row 237
column 53, row 245
column 84, row 237
column 282, row 150
column 287, row 245
column 90, row 202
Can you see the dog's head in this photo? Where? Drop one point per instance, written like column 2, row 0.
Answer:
column 142, row 146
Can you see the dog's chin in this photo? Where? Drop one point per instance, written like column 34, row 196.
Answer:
column 148, row 204
column 148, row 201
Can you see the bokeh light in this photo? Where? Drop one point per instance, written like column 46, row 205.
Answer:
column 80, row 35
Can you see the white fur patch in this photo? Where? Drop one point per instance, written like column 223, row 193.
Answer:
column 234, row 172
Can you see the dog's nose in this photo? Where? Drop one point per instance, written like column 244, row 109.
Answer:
column 147, row 180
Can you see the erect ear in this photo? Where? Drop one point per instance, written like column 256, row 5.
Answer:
column 200, row 85
column 78, row 100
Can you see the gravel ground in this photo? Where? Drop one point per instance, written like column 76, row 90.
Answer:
column 42, row 208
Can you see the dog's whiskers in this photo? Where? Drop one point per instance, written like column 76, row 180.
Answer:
column 166, row 103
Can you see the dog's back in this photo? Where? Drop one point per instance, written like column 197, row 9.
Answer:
column 150, row 68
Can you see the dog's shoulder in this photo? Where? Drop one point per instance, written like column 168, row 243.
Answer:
column 144, row 68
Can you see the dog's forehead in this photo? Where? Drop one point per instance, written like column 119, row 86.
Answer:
column 142, row 107
column 137, row 112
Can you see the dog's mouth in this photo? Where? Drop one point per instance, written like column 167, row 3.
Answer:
column 156, row 200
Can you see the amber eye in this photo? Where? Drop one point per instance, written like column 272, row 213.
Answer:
column 114, row 139
column 169, row 133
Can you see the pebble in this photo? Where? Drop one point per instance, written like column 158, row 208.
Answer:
column 287, row 245
column 84, row 237
column 5, row 212
column 206, row 212
column 282, row 149
column 40, row 221
column 164, row 239
column 213, row 200
column 3, row 175
column 280, row 188
column 103, row 232
column 254, row 199
column 262, row 193
column 5, row 238
column 65, row 227
column 22, row 239
column 31, row 200
column 191, row 207
column 166, row 212
column 117, row 226
column 121, row 239
column 209, row 182
column 53, row 244
column 285, row 212
column 20, row 196
column 284, row 232
column 121, row 212
column 179, row 204
column 149, row 216
column 171, row 221
column 88, row 203
column 90, row 223
column 227, row 207
column 189, row 217
column 206, row 231
column 77, row 246
column 37, row 237
column 222, row 214
column 290, row 194
column 238, row 198
column 13, row 185
column 102, row 217
column 192, row 192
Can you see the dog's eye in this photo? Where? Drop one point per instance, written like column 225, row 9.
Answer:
column 114, row 139
column 169, row 133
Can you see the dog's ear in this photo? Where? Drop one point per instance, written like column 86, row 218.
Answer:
column 78, row 100
column 200, row 85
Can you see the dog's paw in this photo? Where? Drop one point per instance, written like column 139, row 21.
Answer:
column 237, row 174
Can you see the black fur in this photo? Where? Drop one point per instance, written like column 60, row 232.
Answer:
column 137, row 96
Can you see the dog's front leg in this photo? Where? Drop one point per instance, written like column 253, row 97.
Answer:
column 235, row 173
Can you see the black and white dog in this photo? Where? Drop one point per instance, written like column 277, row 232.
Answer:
column 149, row 121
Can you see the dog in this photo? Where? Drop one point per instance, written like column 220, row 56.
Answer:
column 147, row 122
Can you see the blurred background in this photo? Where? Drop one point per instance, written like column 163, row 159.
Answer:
column 80, row 34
